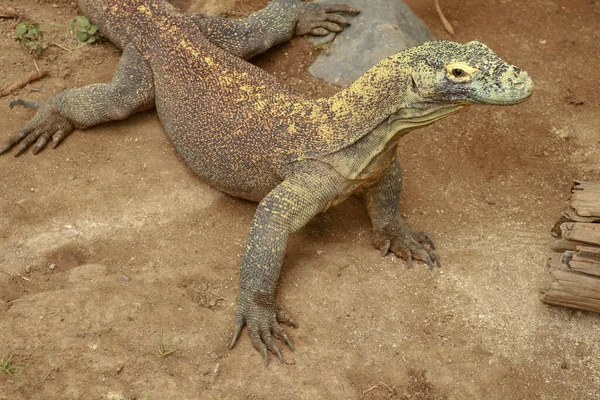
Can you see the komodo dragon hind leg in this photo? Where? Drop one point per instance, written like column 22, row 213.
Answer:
column 277, row 23
column 130, row 91
column 391, row 233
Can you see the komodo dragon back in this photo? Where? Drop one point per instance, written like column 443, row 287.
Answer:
column 239, row 128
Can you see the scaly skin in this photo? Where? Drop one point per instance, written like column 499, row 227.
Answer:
column 251, row 136
column 132, row 88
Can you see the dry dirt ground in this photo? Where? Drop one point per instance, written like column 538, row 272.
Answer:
column 141, row 246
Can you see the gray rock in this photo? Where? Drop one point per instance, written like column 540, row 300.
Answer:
column 382, row 28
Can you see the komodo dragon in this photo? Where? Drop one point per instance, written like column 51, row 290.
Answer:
column 251, row 136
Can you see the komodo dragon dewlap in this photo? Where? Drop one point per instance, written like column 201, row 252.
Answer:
column 247, row 134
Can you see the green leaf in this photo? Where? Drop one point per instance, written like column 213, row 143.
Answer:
column 82, row 36
column 93, row 29
column 21, row 29
column 81, row 20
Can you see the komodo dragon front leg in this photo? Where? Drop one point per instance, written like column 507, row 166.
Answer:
column 390, row 231
column 132, row 88
column 310, row 190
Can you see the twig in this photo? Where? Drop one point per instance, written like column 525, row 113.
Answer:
column 380, row 383
column 216, row 372
column 48, row 313
column 9, row 12
column 4, row 272
column 13, row 277
column 61, row 47
column 445, row 22
column 389, row 388
column 16, row 300
column 47, row 375
column 31, row 89
column 36, row 66
column 6, row 90
column 370, row 389
column 218, row 297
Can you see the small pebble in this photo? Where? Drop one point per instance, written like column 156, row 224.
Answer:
column 125, row 279
column 543, row 41
column 52, row 266
column 28, row 269
column 290, row 360
column 32, row 190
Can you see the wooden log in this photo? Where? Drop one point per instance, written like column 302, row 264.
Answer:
column 563, row 244
column 585, row 260
column 585, row 267
column 584, row 203
column 574, row 290
column 575, row 257
column 554, row 260
column 9, row 12
column 581, row 232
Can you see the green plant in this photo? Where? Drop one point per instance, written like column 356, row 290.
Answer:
column 5, row 365
column 162, row 352
column 84, row 30
column 31, row 36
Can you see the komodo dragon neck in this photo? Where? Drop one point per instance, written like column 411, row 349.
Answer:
column 384, row 104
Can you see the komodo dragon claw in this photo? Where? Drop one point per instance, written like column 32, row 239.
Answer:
column 47, row 124
column 321, row 19
column 263, row 320
column 404, row 243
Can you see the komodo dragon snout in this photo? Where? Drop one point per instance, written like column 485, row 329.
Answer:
column 469, row 73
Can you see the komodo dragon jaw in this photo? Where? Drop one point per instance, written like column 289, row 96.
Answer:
column 470, row 73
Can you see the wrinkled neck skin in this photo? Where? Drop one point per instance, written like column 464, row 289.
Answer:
column 387, row 94
column 385, row 104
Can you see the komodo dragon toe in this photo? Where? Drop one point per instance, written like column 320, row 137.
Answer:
column 321, row 19
column 405, row 243
column 46, row 125
column 263, row 319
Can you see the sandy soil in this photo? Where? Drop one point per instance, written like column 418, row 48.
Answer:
column 141, row 246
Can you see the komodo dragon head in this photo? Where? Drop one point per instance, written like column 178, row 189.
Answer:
column 411, row 89
column 451, row 72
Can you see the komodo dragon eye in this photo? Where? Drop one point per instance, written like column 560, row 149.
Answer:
column 457, row 72
column 460, row 71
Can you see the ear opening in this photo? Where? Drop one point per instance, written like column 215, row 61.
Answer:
column 415, row 87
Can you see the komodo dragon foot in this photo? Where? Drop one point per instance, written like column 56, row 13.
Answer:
column 263, row 318
column 47, row 124
column 321, row 19
column 405, row 243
